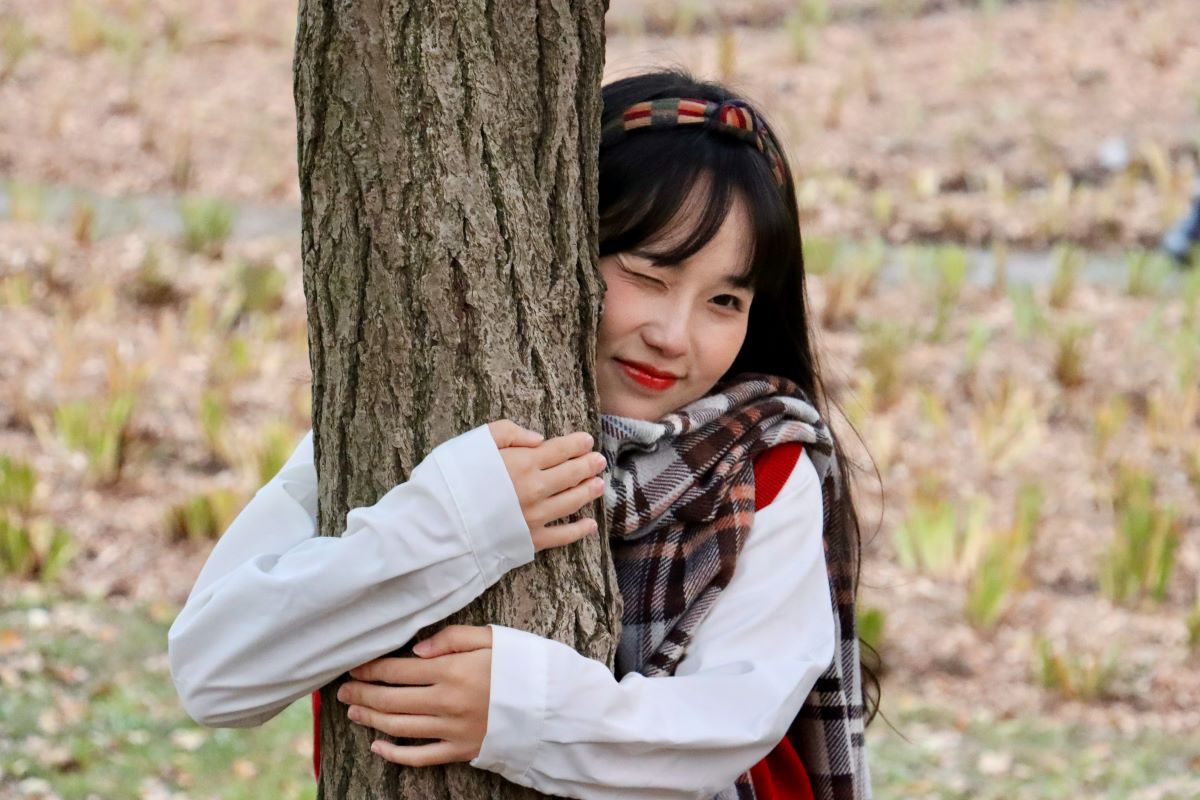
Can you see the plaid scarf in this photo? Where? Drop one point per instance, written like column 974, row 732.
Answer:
column 680, row 503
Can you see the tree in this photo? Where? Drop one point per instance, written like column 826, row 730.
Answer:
column 447, row 161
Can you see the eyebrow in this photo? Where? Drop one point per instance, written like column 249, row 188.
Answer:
column 734, row 279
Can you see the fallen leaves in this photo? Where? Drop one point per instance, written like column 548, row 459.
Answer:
column 189, row 739
column 11, row 639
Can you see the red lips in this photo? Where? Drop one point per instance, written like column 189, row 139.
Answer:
column 648, row 376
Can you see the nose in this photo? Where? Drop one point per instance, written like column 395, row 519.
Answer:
column 668, row 332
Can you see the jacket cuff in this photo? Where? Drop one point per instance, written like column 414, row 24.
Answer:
column 486, row 501
column 517, row 706
column 298, row 477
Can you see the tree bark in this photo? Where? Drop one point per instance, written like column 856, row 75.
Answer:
column 447, row 157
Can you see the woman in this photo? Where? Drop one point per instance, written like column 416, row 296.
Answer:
column 738, row 640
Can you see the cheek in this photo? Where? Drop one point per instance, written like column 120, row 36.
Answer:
column 723, row 349
column 619, row 316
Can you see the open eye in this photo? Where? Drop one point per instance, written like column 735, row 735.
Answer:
column 732, row 302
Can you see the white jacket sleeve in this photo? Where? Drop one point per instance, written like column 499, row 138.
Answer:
column 561, row 723
column 278, row 611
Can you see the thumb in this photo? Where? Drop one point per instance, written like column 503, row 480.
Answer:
column 507, row 433
column 454, row 639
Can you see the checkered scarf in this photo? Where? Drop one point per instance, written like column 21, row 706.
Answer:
column 679, row 503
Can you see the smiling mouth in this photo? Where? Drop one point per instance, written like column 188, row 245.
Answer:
column 647, row 376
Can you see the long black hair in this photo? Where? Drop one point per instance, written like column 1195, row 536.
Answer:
column 645, row 181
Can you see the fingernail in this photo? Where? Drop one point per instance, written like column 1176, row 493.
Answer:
column 352, row 713
column 590, row 440
column 593, row 526
column 421, row 648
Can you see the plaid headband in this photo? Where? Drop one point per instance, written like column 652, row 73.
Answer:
column 733, row 117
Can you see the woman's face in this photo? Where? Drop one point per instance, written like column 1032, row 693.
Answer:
column 669, row 332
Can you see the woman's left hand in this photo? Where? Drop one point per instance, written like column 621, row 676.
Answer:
column 442, row 695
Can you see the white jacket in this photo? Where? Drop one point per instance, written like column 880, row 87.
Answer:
column 278, row 612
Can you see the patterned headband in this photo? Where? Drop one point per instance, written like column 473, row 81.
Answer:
column 733, row 117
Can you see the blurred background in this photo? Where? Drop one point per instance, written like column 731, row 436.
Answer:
column 984, row 186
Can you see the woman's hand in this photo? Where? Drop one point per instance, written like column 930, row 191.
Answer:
column 442, row 695
column 553, row 479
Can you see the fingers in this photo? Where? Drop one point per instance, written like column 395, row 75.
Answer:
column 403, row 726
column 507, row 433
column 400, row 671
column 566, row 503
column 565, row 534
column 425, row 755
column 454, row 639
column 555, row 451
column 573, row 472
column 391, row 699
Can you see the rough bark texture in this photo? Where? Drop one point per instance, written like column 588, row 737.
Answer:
column 447, row 158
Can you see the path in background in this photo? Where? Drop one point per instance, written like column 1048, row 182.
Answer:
column 159, row 215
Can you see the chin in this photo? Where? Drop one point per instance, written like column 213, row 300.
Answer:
column 626, row 408
column 647, row 408
column 616, row 399
column 636, row 408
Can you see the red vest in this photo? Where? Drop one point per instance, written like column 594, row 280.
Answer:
column 779, row 776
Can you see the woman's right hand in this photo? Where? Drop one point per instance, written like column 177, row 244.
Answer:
column 554, row 478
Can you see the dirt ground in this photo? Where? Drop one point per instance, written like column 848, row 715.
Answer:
column 929, row 649
column 1032, row 124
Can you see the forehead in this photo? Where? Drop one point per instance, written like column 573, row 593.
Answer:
column 727, row 238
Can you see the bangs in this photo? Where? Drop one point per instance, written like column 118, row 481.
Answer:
column 665, row 195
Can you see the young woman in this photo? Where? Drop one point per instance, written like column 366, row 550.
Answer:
column 728, row 504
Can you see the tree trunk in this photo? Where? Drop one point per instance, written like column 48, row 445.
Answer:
column 448, row 156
